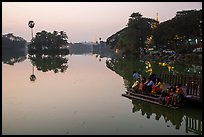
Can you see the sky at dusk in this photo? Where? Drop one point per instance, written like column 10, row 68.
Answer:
column 83, row 21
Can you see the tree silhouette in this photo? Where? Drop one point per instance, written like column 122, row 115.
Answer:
column 31, row 24
column 13, row 49
column 47, row 43
column 133, row 37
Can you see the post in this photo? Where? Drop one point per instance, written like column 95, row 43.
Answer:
column 31, row 33
column 201, row 92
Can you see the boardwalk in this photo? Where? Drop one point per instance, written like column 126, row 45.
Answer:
column 154, row 99
column 191, row 84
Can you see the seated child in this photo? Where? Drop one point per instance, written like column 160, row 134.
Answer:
column 162, row 97
column 141, row 86
column 169, row 97
column 157, row 88
column 148, row 86
column 135, row 86
column 179, row 93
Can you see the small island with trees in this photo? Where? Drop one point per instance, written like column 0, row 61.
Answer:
column 49, row 43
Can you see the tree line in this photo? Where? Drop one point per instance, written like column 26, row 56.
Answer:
column 183, row 31
column 11, row 42
column 13, row 49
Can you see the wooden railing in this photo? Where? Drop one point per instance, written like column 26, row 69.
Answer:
column 193, row 83
column 193, row 125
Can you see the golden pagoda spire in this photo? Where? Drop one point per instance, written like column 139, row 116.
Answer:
column 157, row 22
column 157, row 17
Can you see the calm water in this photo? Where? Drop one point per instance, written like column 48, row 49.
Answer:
column 83, row 99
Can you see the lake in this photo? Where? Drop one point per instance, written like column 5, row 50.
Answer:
column 83, row 98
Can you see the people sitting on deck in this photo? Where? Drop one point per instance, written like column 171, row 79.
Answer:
column 148, row 86
column 179, row 94
column 141, row 85
column 157, row 87
column 137, row 79
column 169, row 99
column 163, row 96
column 153, row 77
column 136, row 75
column 135, row 86
column 144, row 79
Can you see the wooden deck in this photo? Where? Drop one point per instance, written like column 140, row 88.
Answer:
column 146, row 98
column 191, row 84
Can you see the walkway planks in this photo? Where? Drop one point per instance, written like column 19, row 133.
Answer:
column 150, row 99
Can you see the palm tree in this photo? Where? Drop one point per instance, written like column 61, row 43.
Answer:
column 31, row 24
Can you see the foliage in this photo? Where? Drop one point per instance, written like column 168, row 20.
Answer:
column 133, row 37
column 178, row 32
column 46, row 41
column 47, row 51
column 13, row 49
column 11, row 42
column 125, row 67
column 46, row 63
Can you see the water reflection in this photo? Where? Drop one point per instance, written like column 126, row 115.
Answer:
column 13, row 49
column 105, row 112
column 125, row 66
column 191, row 115
column 32, row 76
column 52, row 62
column 11, row 57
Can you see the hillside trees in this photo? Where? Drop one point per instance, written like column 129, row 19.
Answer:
column 181, row 32
column 133, row 37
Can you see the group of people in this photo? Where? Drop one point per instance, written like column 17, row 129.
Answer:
column 173, row 95
column 152, row 85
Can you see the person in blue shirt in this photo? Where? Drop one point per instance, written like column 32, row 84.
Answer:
column 148, row 85
column 153, row 77
column 136, row 75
